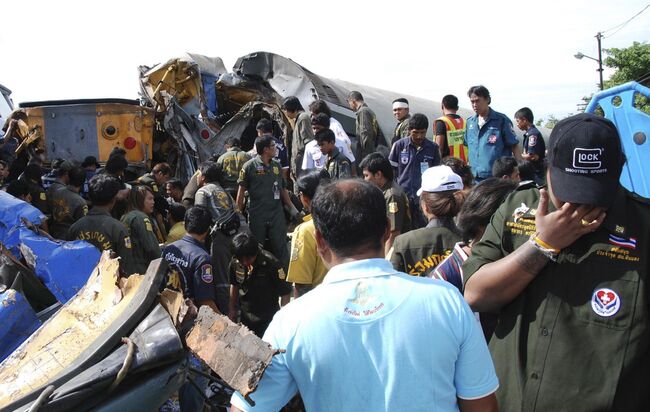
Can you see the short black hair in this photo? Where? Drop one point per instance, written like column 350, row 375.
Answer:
column 64, row 168
column 483, row 200
column 244, row 245
column 116, row 163
column 162, row 168
column 33, row 172
column 525, row 113
column 309, row 182
column 320, row 119
column 480, row 91
column 175, row 183
column 233, row 141
column 401, row 100
column 504, row 166
column 211, row 171
column 418, row 122
column 177, row 211
column 102, row 189
column 117, row 151
column 461, row 168
column 526, row 170
column 197, row 220
column 325, row 135
column 376, row 162
column 262, row 143
column 450, row 102
column 355, row 95
column 292, row 104
column 77, row 176
column 320, row 106
column 265, row 126
column 18, row 188
column 351, row 216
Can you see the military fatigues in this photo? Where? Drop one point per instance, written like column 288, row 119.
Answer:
column 66, row 206
column 397, row 207
column 190, row 189
column 306, row 266
column 143, row 239
column 578, row 336
column 401, row 130
column 259, row 290
column 39, row 198
column 214, row 198
column 104, row 232
column 265, row 212
column 231, row 163
column 160, row 207
column 419, row 250
column 190, row 270
column 302, row 134
column 369, row 134
column 337, row 165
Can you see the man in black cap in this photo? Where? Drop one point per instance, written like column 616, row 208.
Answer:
column 566, row 269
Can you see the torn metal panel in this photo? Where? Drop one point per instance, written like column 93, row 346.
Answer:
column 83, row 331
column 232, row 351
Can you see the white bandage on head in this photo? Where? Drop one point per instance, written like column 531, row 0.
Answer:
column 400, row 105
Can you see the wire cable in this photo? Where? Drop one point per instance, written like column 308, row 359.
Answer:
column 620, row 26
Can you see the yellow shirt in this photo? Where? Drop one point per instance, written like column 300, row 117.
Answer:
column 176, row 232
column 306, row 266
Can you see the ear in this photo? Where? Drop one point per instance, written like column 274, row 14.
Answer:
column 323, row 249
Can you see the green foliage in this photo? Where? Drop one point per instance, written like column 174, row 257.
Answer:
column 631, row 64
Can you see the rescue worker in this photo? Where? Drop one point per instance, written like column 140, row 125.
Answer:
column 262, row 178
column 419, row 250
column 449, row 130
column 566, row 270
column 306, row 267
column 378, row 171
column 190, row 272
column 369, row 135
column 176, row 216
column 32, row 177
column 302, row 133
column 533, row 146
column 140, row 228
column 231, row 163
column 257, row 280
column 156, row 181
column 66, row 204
column 90, row 166
column 265, row 128
column 227, row 222
column 99, row 228
column 401, row 113
column 19, row 190
column 337, row 165
column 314, row 158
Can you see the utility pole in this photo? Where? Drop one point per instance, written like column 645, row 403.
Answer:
column 600, row 59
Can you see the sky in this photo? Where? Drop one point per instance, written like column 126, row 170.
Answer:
column 522, row 51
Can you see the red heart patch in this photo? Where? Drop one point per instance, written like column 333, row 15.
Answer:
column 605, row 298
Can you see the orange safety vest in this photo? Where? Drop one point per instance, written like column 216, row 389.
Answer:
column 455, row 135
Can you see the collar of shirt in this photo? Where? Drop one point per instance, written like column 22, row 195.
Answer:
column 190, row 239
column 307, row 218
column 616, row 215
column 98, row 211
column 441, row 222
column 365, row 268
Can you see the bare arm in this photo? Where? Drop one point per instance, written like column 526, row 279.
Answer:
column 391, row 239
column 497, row 283
column 240, row 198
column 485, row 404
column 440, row 141
column 516, row 152
column 232, row 303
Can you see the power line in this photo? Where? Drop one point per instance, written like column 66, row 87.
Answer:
column 620, row 26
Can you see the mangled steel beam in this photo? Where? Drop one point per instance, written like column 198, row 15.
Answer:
column 232, row 351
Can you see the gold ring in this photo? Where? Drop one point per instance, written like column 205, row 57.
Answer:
column 584, row 223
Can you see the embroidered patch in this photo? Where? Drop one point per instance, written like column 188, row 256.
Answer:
column 393, row 208
column 206, row 273
column 276, row 170
column 127, row 242
column 147, row 225
column 623, row 242
column 154, row 188
column 42, row 196
column 532, row 141
column 492, row 139
column 404, row 157
column 605, row 302
column 520, row 211
column 281, row 274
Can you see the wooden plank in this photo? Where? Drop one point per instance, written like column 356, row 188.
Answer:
column 232, row 351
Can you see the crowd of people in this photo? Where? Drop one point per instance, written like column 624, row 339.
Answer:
column 408, row 256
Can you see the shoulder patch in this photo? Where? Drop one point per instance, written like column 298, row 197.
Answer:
column 42, row 196
column 393, row 207
column 206, row 273
column 127, row 242
column 281, row 274
column 154, row 187
column 147, row 224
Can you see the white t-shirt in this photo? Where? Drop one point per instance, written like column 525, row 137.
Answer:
column 315, row 159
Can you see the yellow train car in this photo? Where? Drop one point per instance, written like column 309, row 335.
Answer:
column 74, row 129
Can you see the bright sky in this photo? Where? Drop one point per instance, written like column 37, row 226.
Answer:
column 521, row 50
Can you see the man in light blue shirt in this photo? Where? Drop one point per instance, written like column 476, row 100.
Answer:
column 370, row 338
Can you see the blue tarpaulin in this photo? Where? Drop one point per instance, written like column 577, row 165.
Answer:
column 17, row 321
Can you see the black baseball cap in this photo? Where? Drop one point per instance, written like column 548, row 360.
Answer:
column 585, row 160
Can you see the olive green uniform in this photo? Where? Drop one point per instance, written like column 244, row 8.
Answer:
column 143, row 239
column 231, row 163
column 337, row 165
column 67, row 206
column 190, row 189
column 302, row 134
column 397, row 207
column 419, row 250
column 265, row 211
column 161, row 206
column 39, row 198
column 104, row 232
column 557, row 346
column 259, row 290
column 401, row 130
column 368, row 132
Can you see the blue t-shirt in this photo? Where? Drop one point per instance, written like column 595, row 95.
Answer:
column 370, row 339
column 190, row 269
column 411, row 162
column 283, row 157
column 488, row 143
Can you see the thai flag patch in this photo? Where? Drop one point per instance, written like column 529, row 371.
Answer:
column 623, row 242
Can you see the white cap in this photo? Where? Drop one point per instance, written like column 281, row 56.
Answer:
column 440, row 179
